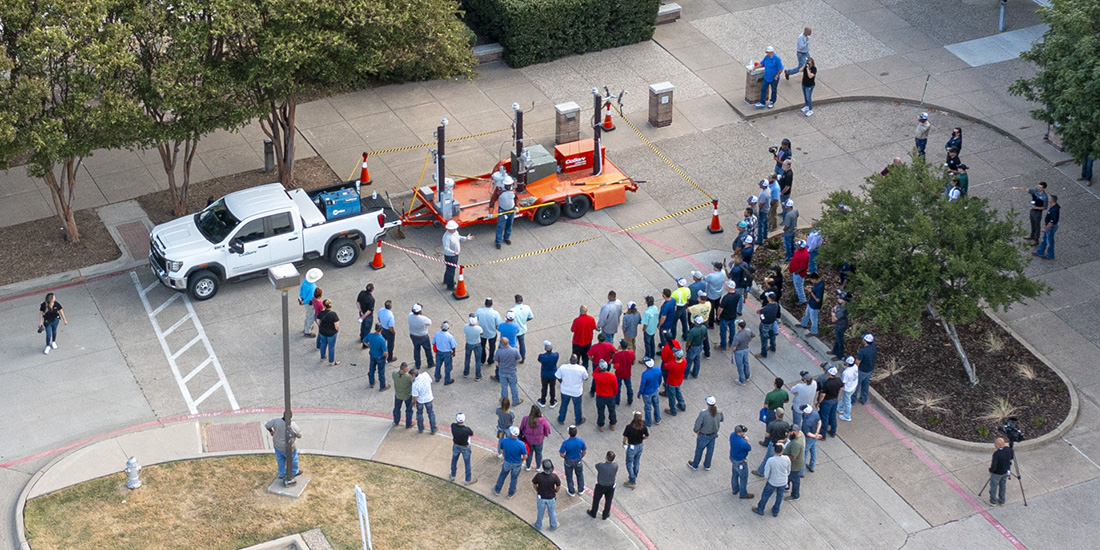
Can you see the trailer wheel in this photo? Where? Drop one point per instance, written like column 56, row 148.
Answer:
column 548, row 214
column 343, row 253
column 577, row 206
column 202, row 285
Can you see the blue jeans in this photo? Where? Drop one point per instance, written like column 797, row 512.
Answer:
column 475, row 351
column 802, row 57
column 704, row 442
column 449, row 271
column 811, row 317
column 51, row 331
column 327, row 344
column 767, row 335
column 828, row 416
column 769, row 490
column 741, row 359
column 693, row 359
column 675, row 399
column 504, row 229
column 838, row 340
column 629, row 392
column 505, row 469
column 1047, row 242
column 811, row 452
column 377, row 364
column 799, row 283
column 788, row 247
column 633, row 462
column 845, row 407
column 726, row 327
column 280, row 459
column 365, row 327
column 762, row 230
column 522, row 344
column 764, row 85
column 547, row 505
column 574, row 468
column 605, row 404
column 813, row 261
column 770, row 453
column 422, row 343
column 650, row 342
column 444, row 360
column 652, row 403
column 1086, row 168
column 420, row 416
column 739, row 481
column 741, row 302
column 565, row 399
column 464, row 452
column 534, row 452
column 794, row 479
column 609, row 336
column 408, row 411
column 808, row 94
column 509, row 381
column 864, row 386
column 921, row 144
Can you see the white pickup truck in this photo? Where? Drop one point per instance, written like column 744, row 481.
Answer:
column 248, row 231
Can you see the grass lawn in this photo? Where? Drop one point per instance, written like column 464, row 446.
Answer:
column 222, row 503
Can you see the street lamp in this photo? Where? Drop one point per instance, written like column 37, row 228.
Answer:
column 285, row 277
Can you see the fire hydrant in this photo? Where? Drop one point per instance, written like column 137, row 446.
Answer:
column 132, row 468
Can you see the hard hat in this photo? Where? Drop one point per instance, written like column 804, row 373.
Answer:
column 452, row 225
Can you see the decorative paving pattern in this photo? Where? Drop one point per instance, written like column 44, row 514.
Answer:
column 136, row 237
column 219, row 438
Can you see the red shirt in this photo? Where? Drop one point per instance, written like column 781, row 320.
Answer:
column 675, row 372
column 607, row 384
column 601, row 352
column 583, row 327
column 622, row 361
column 800, row 262
column 668, row 352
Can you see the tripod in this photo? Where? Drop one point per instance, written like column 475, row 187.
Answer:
column 1014, row 464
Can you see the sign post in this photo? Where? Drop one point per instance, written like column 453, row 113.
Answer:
column 364, row 518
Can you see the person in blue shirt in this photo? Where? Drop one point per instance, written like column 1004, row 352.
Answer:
column 445, row 348
column 378, row 348
column 508, row 329
column 515, row 452
column 386, row 319
column 739, row 454
column 667, row 322
column 773, row 69
column 548, row 370
column 305, row 297
column 573, row 450
column 648, row 392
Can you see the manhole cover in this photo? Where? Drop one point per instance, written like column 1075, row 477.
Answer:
column 218, row 438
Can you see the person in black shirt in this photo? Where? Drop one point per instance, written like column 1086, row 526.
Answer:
column 1000, row 471
column 813, row 306
column 727, row 314
column 1037, row 206
column 633, row 436
column 365, row 301
column 827, row 401
column 1046, row 246
column 809, row 79
column 768, row 315
column 328, row 325
column 547, row 484
column 461, row 434
column 48, row 314
column 953, row 161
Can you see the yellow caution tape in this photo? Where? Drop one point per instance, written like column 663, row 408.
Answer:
column 660, row 154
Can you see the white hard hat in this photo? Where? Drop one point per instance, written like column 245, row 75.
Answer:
column 769, row 49
column 452, row 225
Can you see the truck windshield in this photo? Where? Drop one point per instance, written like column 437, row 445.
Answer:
column 215, row 222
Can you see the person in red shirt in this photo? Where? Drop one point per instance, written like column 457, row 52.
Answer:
column 622, row 361
column 674, row 377
column 583, row 327
column 799, row 270
column 606, row 385
column 600, row 352
column 667, row 353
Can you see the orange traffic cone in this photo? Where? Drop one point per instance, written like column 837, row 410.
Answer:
column 460, row 288
column 607, row 124
column 715, row 225
column 377, row 262
column 364, row 176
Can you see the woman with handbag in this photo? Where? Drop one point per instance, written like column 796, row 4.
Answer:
column 533, row 430
column 48, row 315
column 328, row 326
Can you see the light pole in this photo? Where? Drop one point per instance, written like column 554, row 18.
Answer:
column 285, row 277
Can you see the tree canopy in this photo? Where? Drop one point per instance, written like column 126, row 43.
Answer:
column 1068, row 81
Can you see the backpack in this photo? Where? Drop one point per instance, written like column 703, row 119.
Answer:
column 746, row 275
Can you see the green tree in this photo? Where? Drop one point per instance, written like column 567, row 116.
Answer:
column 916, row 251
column 182, row 85
column 284, row 50
column 1068, row 81
column 63, row 93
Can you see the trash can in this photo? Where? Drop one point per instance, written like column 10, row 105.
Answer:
column 660, row 104
column 754, row 77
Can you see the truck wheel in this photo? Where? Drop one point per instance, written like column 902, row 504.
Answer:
column 343, row 253
column 202, row 285
column 548, row 214
column 577, row 206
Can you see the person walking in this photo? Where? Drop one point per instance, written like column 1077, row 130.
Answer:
column 865, row 359
column 473, row 333
column 460, row 446
column 795, row 449
column 776, row 471
column 741, row 351
column 402, row 395
column 623, row 360
column 572, row 451
column 582, row 328
column 489, row 320
column 606, row 384
column 605, row 485
column 452, row 246
column 1000, row 469
column 649, row 326
column 423, row 399
column 773, row 69
column 811, row 429
column 572, row 376
column 376, row 343
column 634, row 437
column 507, row 361
column 674, row 378
column 280, row 438
column 547, row 484
column 850, row 378
column 610, row 315
column 533, row 430
column 739, row 454
column 840, row 323
column 418, row 333
column 365, row 302
column 305, row 298
column 809, row 80
column 648, row 387
column 802, row 51
column 505, row 419
column 49, row 314
column 522, row 314
column 328, row 326
column 1046, row 246
column 921, row 133
column 631, row 320
column 827, row 401
column 515, row 452
column 387, row 319
column 506, row 214
column 814, row 300
column 706, row 430
column 548, row 368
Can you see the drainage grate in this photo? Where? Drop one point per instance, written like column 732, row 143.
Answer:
column 218, row 438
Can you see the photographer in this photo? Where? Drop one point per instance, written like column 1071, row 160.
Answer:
column 999, row 471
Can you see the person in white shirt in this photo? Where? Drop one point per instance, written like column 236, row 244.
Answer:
column 802, row 393
column 776, row 471
column 473, row 346
column 489, row 319
column 423, row 399
column 452, row 245
column 572, row 376
column 522, row 313
column 850, row 377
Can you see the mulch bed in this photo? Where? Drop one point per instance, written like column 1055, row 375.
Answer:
column 41, row 247
column 931, row 367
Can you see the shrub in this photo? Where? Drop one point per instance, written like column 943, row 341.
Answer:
column 999, row 410
column 1024, row 370
column 994, row 344
column 983, row 432
column 535, row 31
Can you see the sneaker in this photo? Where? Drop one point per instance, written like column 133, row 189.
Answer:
column 472, row 481
column 495, row 492
column 527, row 468
column 571, row 493
column 759, row 105
column 541, row 403
column 804, row 109
column 452, row 478
column 553, row 405
column 849, row 419
column 47, row 350
column 808, row 113
column 771, row 105
column 53, row 344
column 692, row 466
column 707, row 468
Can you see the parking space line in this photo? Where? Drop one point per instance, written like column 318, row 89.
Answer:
column 173, row 328
column 167, row 303
column 186, row 346
column 219, row 384
column 197, row 370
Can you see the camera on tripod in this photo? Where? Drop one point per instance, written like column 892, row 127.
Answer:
column 1011, row 431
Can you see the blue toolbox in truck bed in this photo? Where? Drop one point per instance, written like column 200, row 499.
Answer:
column 339, row 204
